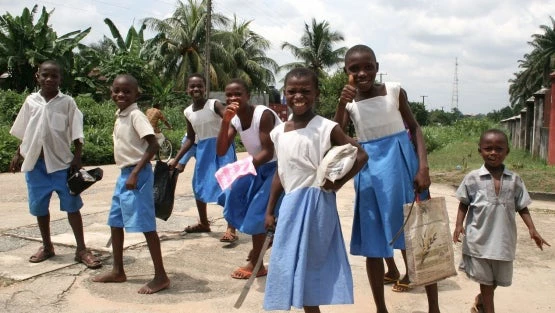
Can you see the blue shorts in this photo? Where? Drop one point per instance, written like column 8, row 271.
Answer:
column 40, row 186
column 134, row 209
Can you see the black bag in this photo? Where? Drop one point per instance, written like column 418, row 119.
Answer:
column 164, row 189
column 80, row 180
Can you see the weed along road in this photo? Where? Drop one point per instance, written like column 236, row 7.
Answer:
column 199, row 265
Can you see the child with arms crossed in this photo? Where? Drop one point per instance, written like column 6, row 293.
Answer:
column 489, row 198
column 204, row 118
column 133, row 200
column 308, row 264
column 48, row 122
column 395, row 172
column 246, row 200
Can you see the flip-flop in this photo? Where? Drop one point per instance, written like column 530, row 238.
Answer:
column 401, row 287
column 42, row 254
column 242, row 273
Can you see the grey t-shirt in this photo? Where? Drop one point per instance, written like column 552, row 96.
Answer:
column 490, row 228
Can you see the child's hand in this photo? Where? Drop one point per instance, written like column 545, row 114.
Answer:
column 131, row 182
column 457, row 233
column 422, row 180
column 75, row 165
column 269, row 222
column 15, row 164
column 349, row 92
column 230, row 111
column 172, row 163
column 331, row 186
column 538, row 239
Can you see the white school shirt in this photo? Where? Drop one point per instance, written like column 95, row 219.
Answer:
column 130, row 128
column 251, row 136
column 379, row 116
column 206, row 122
column 51, row 126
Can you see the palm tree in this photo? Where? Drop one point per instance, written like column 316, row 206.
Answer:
column 316, row 51
column 183, row 36
column 24, row 45
column 247, row 50
column 536, row 66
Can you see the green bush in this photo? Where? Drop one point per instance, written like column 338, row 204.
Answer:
column 8, row 146
column 10, row 103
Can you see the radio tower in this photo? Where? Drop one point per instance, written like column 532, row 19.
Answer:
column 455, row 93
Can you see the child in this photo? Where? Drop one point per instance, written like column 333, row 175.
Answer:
column 133, row 201
column 379, row 113
column 490, row 196
column 245, row 202
column 204, row 117
column 308, row 264
column 46, row 125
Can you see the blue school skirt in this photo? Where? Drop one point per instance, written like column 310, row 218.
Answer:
column 308, row 264
column 205, row 185
column 246, row 200
column 382, row 187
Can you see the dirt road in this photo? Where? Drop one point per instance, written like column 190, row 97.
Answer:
column 199, row 265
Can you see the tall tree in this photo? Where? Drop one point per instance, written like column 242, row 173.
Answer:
column 24, row 45
column 181, row 46
column 535, row 66
column 247, row 50
column 317, row 48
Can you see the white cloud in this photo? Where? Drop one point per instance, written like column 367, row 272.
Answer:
column 416, row 42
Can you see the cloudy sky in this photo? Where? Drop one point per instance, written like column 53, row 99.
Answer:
column 416, row 41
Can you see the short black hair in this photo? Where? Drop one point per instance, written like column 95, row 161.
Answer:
column 302, row 72
column 130, row 78
column 360, row 49
column 241, row 82
column 50, row 62
column 197, row 75
column 496, row 132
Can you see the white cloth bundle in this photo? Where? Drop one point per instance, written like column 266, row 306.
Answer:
column 337, row 162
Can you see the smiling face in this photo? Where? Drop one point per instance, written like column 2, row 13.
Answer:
column 363, row 66
column 237, row 93
column 49, row 78
column 125, row 91
column 493, row 148
column 196, row 88
column 300, row 94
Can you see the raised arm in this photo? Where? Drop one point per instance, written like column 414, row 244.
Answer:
column 227, row 131
column 347, row 95
column 422, row 179
column 267, row 122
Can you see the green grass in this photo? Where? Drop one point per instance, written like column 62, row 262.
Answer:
column 449, row 164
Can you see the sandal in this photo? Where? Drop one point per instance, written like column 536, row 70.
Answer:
column 42, row 254
column 229, row 237
column 243, row 273
column 389, row 280
column 401, row 287
column 86, row 257
column 198, row 228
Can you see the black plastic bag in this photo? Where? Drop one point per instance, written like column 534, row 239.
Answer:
column 79, row 181
column 164, row 189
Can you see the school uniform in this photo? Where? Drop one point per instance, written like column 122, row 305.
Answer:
column 489, row 244
column 246, row 200
column 308, row 263
column 132, row 209
column 206, row 123
column 51, row 127
column 386, row 182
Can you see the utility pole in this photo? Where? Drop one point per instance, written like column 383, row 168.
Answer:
column 207, row 47
column 381, row 74
column 455, row 93
column 423, row 99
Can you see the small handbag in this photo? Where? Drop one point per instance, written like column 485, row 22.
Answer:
column 430, row 255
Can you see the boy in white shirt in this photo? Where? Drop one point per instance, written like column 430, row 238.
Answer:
column 46, row 125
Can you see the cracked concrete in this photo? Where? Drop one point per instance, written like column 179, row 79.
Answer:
column 199, row 265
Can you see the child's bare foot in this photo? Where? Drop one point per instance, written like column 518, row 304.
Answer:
column 155, row 285
column 110, row 277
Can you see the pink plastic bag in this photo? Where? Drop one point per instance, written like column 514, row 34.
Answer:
column 228, row 174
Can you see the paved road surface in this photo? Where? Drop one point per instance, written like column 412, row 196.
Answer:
column 199, row 265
